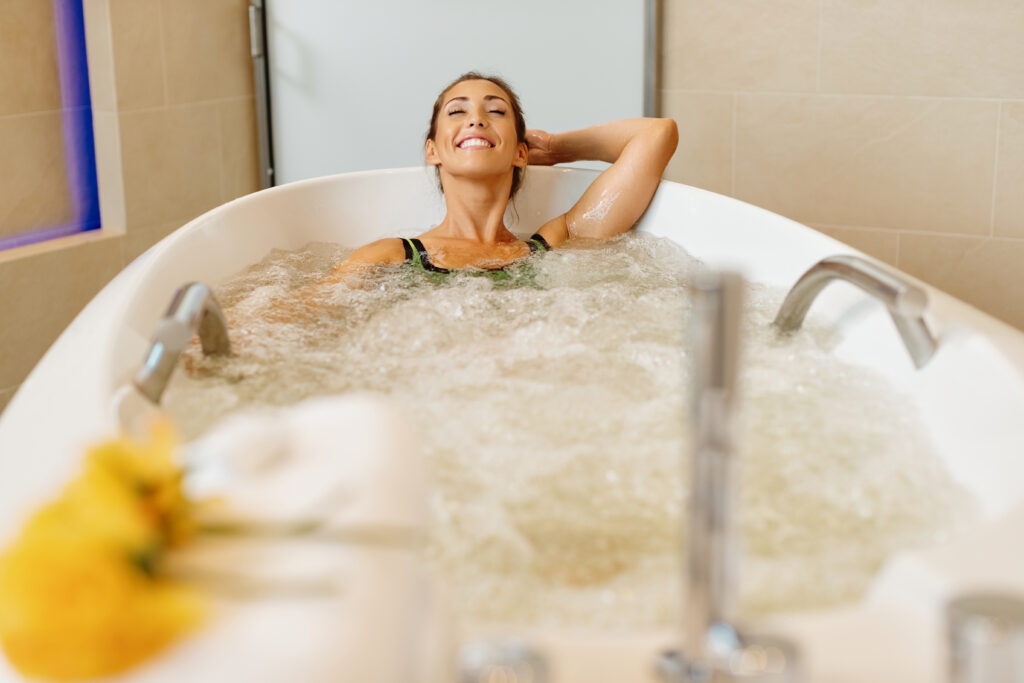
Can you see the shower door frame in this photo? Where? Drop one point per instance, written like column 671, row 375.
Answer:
column 652, row 40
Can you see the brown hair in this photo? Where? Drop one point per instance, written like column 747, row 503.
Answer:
column 517, row 113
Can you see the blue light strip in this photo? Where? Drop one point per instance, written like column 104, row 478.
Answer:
column 79, row 146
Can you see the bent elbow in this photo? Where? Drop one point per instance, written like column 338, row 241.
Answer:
column 668, row 133
column 663, row 137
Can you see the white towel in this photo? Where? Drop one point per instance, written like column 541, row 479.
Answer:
column 331, row 606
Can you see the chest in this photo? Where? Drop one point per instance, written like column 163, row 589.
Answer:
column 457, row 255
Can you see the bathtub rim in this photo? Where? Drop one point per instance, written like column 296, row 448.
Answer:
column 115, row 301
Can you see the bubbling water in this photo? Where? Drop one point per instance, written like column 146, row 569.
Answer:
column 553, row 412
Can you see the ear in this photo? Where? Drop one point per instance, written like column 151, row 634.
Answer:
column 522, row 155
column 430, row 152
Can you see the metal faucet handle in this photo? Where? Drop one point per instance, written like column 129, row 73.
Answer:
column 718, row 306
column 713, row 649
column 507, row 660
column 738, row 658
column 710, row 578
column 986, row 638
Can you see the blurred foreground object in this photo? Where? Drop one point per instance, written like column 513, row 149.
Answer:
column 80, row 590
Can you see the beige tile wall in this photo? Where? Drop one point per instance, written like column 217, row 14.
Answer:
column 33, row 185
column 52, row 287
column 28, row 58
column 33, row 174
column 896, row 126
column 174, row 119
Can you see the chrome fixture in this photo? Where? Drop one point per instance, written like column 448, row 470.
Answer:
column 711, row 571
column 261, row 88
column 193, row 311
column 986, row 638
column 509, row 660
column 906, row 302
column 653, row 13
column 714, row 648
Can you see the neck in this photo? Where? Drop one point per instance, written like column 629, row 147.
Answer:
column 475, row 209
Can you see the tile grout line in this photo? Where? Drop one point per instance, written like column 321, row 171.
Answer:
column 108, row 21
column 39, row 112
column 995, row 173
column 845, row 226
column 840, row 95
column 821, row 22
column 185, row 105
column 221, row 156
column 904, row 231
column 732, row 161
column 163, row 53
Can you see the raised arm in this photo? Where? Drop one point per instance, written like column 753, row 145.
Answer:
column 638, row 151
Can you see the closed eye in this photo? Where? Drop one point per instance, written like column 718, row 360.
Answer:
column 452, row 112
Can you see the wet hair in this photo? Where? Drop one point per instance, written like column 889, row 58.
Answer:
column 517, row 113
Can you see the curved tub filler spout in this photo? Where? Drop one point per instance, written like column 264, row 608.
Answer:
column 714, row 648
column 906, row 302
column 193, row 311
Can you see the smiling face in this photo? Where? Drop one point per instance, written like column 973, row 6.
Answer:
column 475, row 133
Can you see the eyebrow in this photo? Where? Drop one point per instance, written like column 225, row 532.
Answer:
column 466, row 99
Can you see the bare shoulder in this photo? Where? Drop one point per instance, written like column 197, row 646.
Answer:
column 387, row 250
column 381, row 252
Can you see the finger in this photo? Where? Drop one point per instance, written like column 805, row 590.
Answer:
column 536, row 138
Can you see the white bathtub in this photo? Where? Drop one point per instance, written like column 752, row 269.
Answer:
column 971, row 396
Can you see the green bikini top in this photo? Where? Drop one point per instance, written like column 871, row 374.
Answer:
column 416, row 254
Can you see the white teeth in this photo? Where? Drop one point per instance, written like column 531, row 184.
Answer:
column 474, row 142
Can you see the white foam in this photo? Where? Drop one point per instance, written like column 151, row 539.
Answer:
column 600, row 210
column 553, row 416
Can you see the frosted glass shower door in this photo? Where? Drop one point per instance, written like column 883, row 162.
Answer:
column 352, row 83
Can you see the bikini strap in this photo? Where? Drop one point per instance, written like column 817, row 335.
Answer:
column 538, row 243
column 411, row 255
column 417, row 253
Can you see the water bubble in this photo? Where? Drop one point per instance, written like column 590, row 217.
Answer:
column 553, row 413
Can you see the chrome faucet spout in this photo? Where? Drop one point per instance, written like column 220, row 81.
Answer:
column 905, row 301
column 714, row 649
column 193, row 311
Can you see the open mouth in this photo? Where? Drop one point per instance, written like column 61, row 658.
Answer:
column 475, row 143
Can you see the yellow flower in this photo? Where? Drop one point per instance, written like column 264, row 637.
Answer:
column 71, row 610
column 135, row 484
column 80, row 591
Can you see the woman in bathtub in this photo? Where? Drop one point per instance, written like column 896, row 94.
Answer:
column 480, row 146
